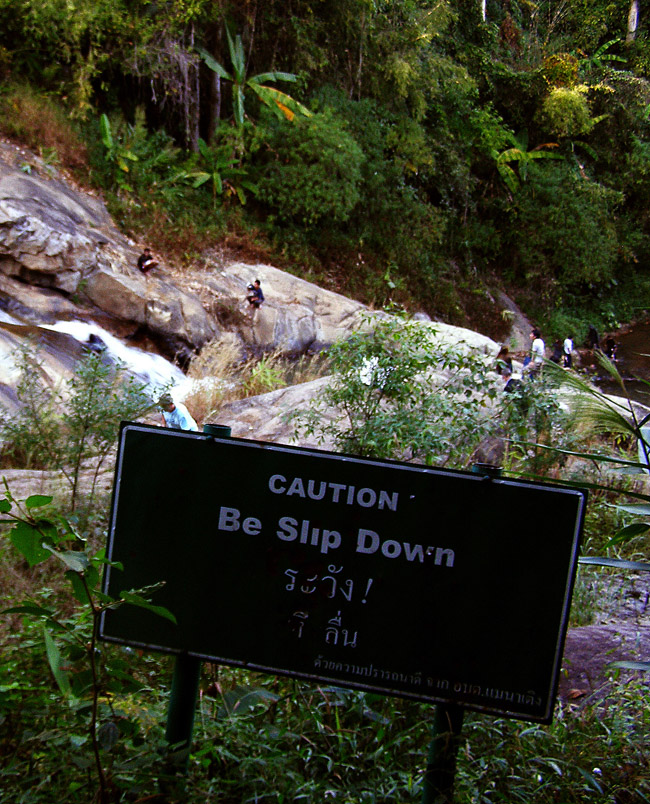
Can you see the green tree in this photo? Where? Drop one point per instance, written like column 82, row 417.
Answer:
column 561, row 234
column 311, row 171
column 400, row 391
column 281, row 103
column 62, row 428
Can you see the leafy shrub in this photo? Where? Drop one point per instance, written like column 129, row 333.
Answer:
column 561, row 69
column 562, row 230
column 78, row 709
column 391, row 405
column 127, row 155
column 61, row 428
column 565, row 113
column 311, row 169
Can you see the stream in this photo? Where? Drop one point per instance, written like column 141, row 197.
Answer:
column 149, row 367
column 65, row 342
column 633, row 362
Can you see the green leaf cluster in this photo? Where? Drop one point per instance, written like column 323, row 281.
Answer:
column 63, row 428
column 88, row 680
column 400, row 391
column 311, row 171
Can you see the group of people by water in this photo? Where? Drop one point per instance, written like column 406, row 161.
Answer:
column 562, row 354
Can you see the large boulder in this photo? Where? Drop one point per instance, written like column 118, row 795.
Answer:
column 59, row 238
column 267, row 417
column 296, row 314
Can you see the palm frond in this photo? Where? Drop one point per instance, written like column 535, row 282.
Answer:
column 596, row 411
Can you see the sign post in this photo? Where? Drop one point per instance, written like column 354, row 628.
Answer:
column 435, row 585
column 439, row 776
column 186, row 678
column 438, row 786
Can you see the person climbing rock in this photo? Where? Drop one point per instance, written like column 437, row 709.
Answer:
column 255, row 295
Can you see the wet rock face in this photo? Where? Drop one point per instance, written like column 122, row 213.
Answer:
column 56, row 238
column 61, row 256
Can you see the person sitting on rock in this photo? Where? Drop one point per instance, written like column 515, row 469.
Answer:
column 146, row 261
column 255, row 296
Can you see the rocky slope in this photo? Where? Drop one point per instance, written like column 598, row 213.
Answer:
column 62, row 258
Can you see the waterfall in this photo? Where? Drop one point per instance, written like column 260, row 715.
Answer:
column 151, row 368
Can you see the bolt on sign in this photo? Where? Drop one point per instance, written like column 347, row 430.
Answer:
column 430, row 584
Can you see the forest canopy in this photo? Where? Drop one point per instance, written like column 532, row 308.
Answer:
column 419, row 152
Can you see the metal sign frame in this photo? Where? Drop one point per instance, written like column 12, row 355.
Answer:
column 431, row 584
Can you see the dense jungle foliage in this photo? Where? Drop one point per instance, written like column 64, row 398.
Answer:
column 425, row 152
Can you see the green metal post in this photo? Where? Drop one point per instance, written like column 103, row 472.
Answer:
column 185, row 681
column 441, row 765
column 489, row 470
column 447, row 723
column 182, row 706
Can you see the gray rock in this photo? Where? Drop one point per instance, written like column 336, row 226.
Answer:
column 55, row 237
column 520, row 327
column 264, row 417
column 295, row 315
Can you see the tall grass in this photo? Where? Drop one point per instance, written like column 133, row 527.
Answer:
column 42, row 124
column 222, row 373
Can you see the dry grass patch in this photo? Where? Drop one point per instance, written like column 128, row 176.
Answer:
column 221, row 374
column 37, row 122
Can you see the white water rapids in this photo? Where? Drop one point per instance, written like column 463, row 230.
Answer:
column 151, row 368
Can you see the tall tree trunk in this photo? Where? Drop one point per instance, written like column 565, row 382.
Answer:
column 196, row 98
column 216, row 95
column 215, row 105
column 632, row 21
column 484, row 10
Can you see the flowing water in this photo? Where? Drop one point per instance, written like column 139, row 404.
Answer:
column 67, row 341
column 151, row 368
column 633, row 362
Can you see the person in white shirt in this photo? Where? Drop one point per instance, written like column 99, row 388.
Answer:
column 567, row 351
column 536, row 352
column 175, row 414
